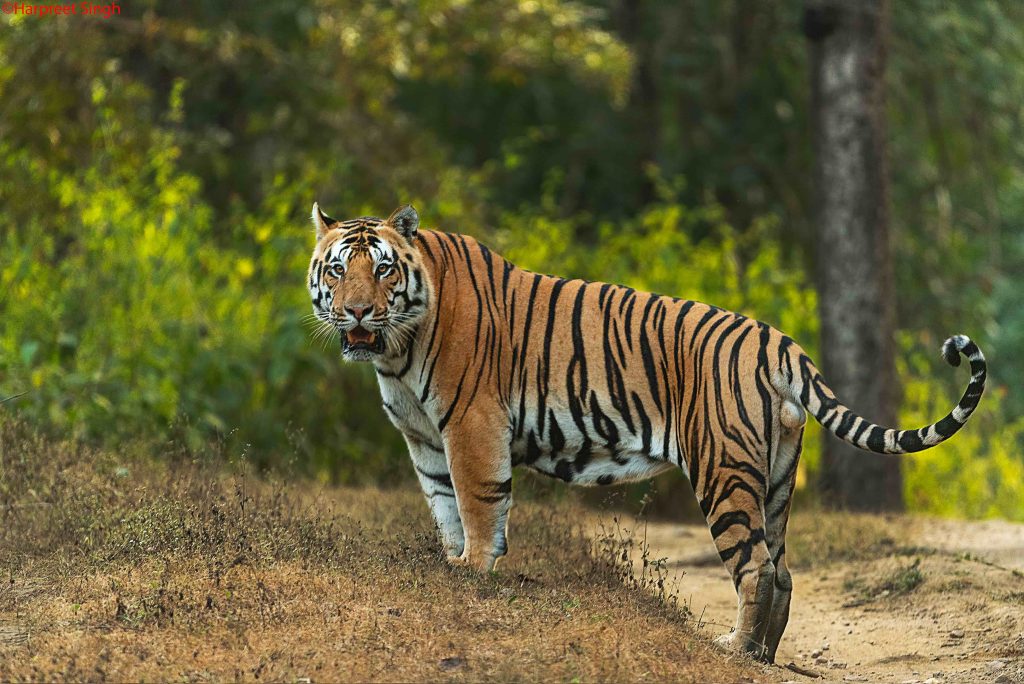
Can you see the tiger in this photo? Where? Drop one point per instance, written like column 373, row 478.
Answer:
column 483, row 366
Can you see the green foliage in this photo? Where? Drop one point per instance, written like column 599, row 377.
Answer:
column 979, row 473
column 142, row 316
column 958, row 180
column 156, row 172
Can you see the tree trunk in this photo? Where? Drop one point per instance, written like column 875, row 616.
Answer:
column 847, row 40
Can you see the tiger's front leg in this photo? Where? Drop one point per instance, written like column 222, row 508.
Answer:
column 481, row 471
column 436, row 481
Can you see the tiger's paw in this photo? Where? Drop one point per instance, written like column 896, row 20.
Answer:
column 457, row 561
column 472, row 561
column 734, row 642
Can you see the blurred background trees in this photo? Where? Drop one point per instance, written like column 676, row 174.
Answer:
column 157, row 168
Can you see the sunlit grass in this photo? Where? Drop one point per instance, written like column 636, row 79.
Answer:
column 135, row 570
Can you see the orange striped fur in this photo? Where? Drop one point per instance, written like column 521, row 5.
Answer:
column 484, row 366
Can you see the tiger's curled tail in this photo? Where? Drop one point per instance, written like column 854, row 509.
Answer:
column 812, row 392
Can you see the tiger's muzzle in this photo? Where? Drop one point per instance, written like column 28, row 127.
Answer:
column 361, row 344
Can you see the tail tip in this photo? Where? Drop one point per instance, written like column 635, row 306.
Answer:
column 952, row 347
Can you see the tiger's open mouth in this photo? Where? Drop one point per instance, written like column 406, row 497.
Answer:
column 361, row 339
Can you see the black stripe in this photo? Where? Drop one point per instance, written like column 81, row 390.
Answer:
column 443, row 479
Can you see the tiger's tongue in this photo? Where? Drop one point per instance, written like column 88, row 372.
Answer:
column 360, row 334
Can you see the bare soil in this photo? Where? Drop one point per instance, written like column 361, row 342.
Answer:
column 876, row 599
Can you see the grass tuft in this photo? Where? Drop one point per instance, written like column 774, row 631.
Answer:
column 829, row 537
column 903, row 580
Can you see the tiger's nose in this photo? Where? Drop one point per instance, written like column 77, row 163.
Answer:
column 359, row 311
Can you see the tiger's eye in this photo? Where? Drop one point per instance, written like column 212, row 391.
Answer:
column 383, row 270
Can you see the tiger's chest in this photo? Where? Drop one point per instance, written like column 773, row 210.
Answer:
column 406, row 411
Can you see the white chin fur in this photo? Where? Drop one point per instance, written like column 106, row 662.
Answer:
column 359, row 355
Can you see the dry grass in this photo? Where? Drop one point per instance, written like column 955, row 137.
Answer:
column 120, row 569
column 818, row 538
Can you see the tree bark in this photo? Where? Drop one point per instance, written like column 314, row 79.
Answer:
column 847, row 40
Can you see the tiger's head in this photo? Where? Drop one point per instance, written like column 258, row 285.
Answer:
column 368, row 282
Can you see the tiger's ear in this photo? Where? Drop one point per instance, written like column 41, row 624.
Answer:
column 405, row 220
column 322, row 221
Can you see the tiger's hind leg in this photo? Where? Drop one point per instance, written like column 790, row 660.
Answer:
column 733, row 502
column 780, row 495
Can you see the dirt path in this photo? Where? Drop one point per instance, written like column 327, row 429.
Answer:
column 963, row 622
